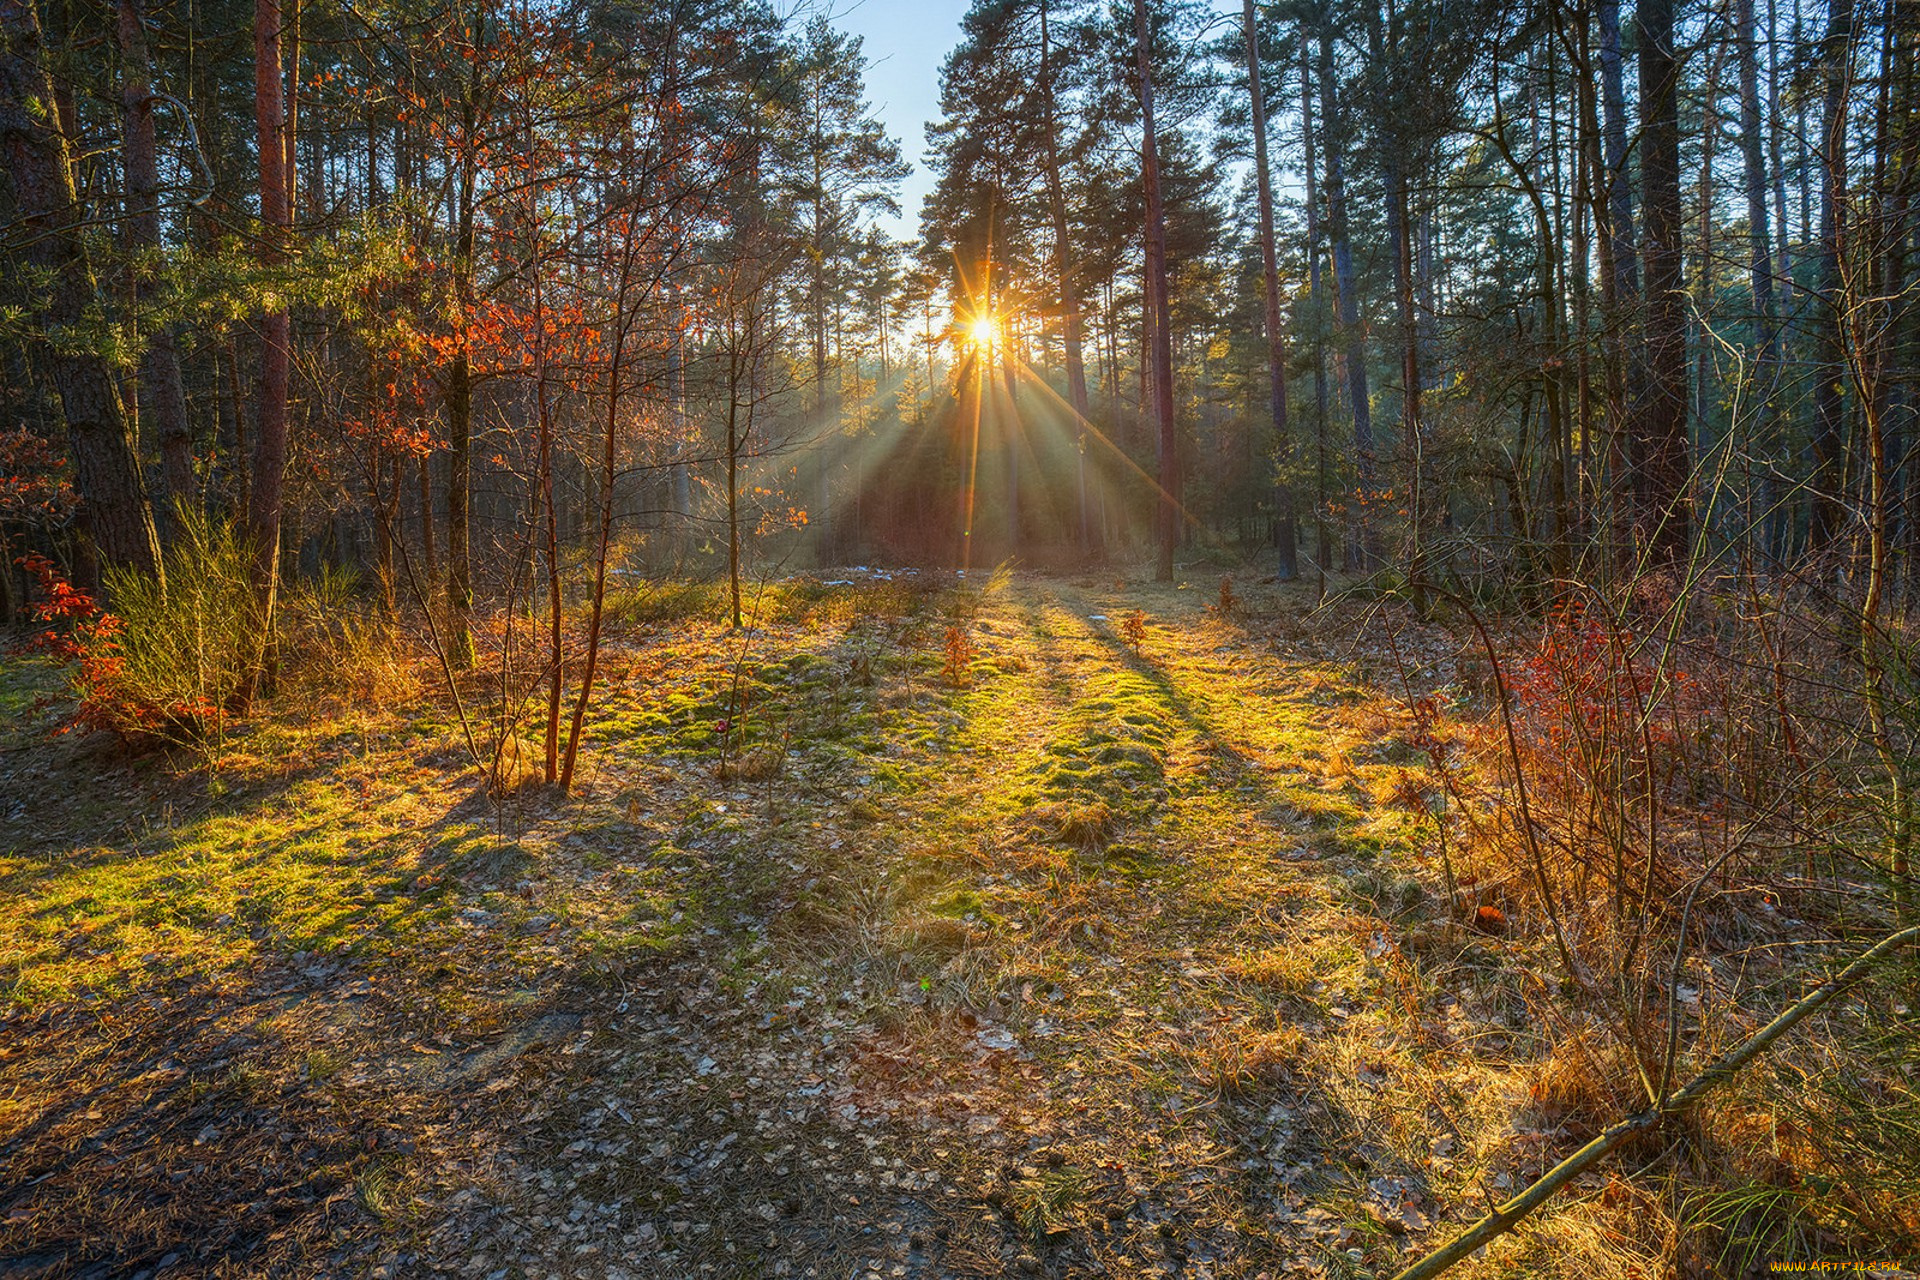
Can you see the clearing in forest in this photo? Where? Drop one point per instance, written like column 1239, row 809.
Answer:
column 914, row 932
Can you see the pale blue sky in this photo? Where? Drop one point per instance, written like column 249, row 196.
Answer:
column 906, row 41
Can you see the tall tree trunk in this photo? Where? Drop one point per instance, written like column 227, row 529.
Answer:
column 1322, row 546
column 1070, row 318
column 826, row 406
column 609, row 475
column 1157, row 305
column 1902, row 240
column 1774, row 131
column 47, row 215
column 1703, row 283
column 386, row 474
column 1613, row 100
column 734, row 362
column 1766, row 366
column 159, row 363
column 1871, row 273
column 267, row 491
column 556, row 636
column 1830, row 373
column 1589, row 235
column 1011, row 416
column 429, row 559
column 291, row 107
column 682, row 473
column 1620, row 286
column 1802, row 132
column 387, row 467
column 457, row 384
column 1553, row 308
column 1665, row 515
column 1412, row 432
column 1347, row 297
column 1393, row 173
column 1286, row 533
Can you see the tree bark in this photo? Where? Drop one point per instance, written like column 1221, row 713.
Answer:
column 1347, row 298
column 1830, row 372
column 1159, row 312
column 1620, row 285
column 1070, row 318
column 1323, row 550
column 457, row 387
column 1399, row 237
column 1286, row 531
column 1393, row 172
column 1665, row 512
column 1767, row 436
column 267, row 491
column 429, row 561
column 47, row 217
column 160, row 382
column 1774, row 149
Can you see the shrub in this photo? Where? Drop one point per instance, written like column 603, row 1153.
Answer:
column 1229, row 602
column 338, row 653
column 186, row 647
column 169, row 658
column 959, row 657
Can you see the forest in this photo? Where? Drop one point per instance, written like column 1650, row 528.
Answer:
column 1307, row 664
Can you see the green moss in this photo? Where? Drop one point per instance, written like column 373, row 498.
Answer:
column 958, row 904
column 1110, row 745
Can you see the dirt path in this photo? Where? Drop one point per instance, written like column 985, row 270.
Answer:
column 1082, row 969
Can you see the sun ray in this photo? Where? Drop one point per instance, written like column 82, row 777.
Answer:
column 1027, row 374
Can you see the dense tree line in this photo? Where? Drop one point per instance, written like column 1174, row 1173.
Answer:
column 1449, row 290
column 1509, row 288
column 466, row 299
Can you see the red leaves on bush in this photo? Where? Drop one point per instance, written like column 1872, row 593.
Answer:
column 1580, row 686
column 85, row 636
column 72, row 612
column 1594, row 704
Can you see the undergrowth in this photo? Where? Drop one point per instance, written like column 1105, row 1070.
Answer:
column 1671, row 807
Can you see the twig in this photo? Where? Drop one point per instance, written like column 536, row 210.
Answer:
column 1507, row 1216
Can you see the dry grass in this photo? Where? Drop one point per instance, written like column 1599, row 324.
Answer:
column 1198, row 1001
column 1087, row 826
column 1241, row 1060
column 1289, row 972
column 937, row 937
column 758, row 764
column 1584, row 1083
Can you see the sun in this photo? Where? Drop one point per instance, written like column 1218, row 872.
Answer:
column 983, row 329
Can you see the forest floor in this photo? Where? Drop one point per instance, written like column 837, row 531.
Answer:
column 1052, row 954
